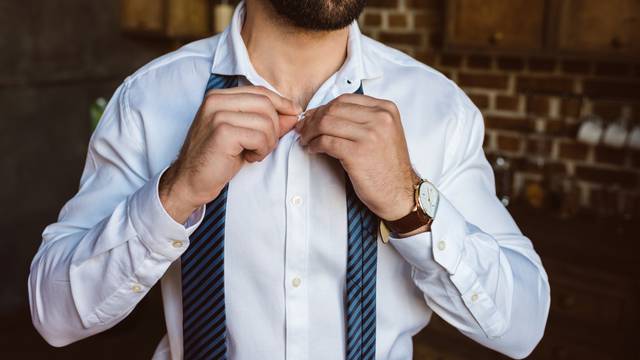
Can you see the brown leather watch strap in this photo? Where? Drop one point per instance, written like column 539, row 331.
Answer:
column 410, row 222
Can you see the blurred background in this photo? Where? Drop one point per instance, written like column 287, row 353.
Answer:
column 558, row 82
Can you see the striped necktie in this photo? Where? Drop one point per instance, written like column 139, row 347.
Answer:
column 203, row 303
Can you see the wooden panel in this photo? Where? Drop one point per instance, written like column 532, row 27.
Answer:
column 143, row 16
column 500, row 24
column 602, row 26
column 188, row 18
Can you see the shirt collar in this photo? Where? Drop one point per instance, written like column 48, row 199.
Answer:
column 231, row 56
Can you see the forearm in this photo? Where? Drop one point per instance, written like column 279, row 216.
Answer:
column 85, row 281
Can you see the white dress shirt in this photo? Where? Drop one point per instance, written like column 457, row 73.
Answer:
column 286, row 234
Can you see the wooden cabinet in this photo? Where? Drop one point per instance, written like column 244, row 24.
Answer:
column 496, row 24
column 606, row 28
column 176, row 19
column 611, row 26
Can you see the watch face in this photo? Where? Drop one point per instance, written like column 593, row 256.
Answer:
column 429, row 197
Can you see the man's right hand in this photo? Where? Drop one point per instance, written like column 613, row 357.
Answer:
column 232, row 126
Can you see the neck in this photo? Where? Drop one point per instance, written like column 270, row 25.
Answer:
column 295, row 61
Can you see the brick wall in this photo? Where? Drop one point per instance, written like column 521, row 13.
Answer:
column 533, row 105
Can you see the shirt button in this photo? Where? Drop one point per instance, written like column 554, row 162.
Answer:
column 474, row 297
column 177, row 243
column 296, row 200
column 136, row 288
column 296, row 282
column 442, row 245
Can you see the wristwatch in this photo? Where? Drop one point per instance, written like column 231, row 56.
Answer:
column 426, row 198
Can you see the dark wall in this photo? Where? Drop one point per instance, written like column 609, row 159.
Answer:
column 56, row 58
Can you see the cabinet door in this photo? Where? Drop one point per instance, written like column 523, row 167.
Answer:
column 499, row 24
column 142, row 16
column 175, row 19
column 602, row 26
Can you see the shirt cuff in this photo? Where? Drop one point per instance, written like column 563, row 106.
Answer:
column 156, row 228
column 444, row 244
column 442, row 249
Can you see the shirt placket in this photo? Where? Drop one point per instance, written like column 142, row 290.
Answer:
column 296, row 259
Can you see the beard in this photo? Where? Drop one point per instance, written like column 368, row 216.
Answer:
column 319, row 15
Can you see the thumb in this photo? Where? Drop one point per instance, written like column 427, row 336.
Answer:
column 287, row 122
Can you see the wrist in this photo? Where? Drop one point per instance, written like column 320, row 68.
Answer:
column 175, row 196
column 405, row 200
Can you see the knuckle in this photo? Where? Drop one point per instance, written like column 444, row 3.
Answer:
column 385, row 116
column 223, row 129
column 211, row 99
column 261, row 88
column 333, row 106
column 372, row 136
column 322, row 124
column 263, row 100
column 343, row 97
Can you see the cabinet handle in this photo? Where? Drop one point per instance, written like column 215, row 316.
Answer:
column 496, row 37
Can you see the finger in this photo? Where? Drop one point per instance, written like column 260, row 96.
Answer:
column 239, row 139
column 355, row 112
column 368, row 101
column 360, row 99
column 241, row 102
column 249, row 120
column 334, row 126
column 282, row 104
column 287, row 122
column 333, row 146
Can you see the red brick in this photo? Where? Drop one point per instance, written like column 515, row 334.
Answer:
column 510, row 63
column 479, row 61
column 397, row 20
column 608, row 155
column 576, row 66
column 450, row 60
column 413, row 39
column 607, row 177
column 424, row 21
column 556, row 85
column 542, row 64
column 372, row 19
column 612, row 69
column 432, row 5
column 559, row 127
column 480, row 100
column 509, row 143
column 383, row 3
column 508, row 123
column 538, row 146
column 571, row 107
column 509, row 103
column 611, row 89
column 426, row 56
column 549, row 167
column 488, row 81
column 436, row 40
column 538, row 105
column 573, row 151
column 607, row 109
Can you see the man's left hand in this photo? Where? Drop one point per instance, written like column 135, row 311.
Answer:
column 365, row 134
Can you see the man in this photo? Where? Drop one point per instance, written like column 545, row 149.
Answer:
column 260, row 220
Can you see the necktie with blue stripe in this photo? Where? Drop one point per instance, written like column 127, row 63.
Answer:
column 204, row 326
